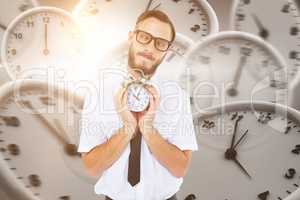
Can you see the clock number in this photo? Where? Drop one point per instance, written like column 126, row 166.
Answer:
column 208, row 124
column 195, row 28
column 11, row 121
column 264, row 118
column 285, row 8
column 246, row 2
column 46, row 19
column 290, row 173
column 240, row 17
column 13, row 149
column 294, row 30
column 246, row 51
column 18, row 35
column 296, row 150
column 191, row 11
column 293, row 55
column 34, row 180
column 224, row 50
column 264, row 195
column 30, row 24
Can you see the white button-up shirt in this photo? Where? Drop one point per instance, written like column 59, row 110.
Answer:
column 173, row 120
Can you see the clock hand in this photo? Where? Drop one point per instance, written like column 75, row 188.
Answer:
column 149, row 5
column 240, row 139
column 46, row 50
column 235, row 130
column 263, row 32
column 241, row 166
column 70, row 149
column 49, row 126
column 2, row 26
column 232, row 89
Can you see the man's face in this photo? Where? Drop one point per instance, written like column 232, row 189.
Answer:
column 146, row 56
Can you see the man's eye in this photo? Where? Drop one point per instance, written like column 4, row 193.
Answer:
column 145, row 37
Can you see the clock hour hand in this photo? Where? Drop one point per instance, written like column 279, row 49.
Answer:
column 263, row 32
column 52, row 129
column 70, row 149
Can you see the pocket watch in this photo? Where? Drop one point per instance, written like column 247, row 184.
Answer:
column 138, row 97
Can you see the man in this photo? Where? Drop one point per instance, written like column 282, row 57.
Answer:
column 152, row 167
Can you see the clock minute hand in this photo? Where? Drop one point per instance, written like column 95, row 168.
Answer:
column 46, row 50
column 263, row 32
column 232, row 89
column 241, row 166
column 235, row 130
column 3, row 27
column 241, row 138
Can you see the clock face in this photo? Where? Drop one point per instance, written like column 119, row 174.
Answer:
column 9, row 10
column 251, row 16
column 241, row 66
column 192, row 18
column 39, row 136
column 138, row 97
column 42, row 42
column 263, row 162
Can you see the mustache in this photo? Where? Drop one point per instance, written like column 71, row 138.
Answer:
column 146, row 55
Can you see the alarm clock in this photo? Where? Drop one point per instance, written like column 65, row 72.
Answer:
column 138, row 97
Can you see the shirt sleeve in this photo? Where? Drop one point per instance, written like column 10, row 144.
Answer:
column 184, row 137
column 91, row 125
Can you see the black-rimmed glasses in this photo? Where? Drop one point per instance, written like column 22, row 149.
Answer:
column 144, row 37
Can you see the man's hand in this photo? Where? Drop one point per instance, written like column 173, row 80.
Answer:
column 129, row 118
column 146, row 117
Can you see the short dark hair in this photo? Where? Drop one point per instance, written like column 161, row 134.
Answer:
column 160, row 16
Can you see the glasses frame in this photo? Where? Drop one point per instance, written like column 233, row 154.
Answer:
column 137, row 31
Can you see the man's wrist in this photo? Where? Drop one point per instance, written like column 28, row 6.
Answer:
column 129, row 129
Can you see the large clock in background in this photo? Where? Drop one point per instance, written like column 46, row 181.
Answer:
column 233, row 66
column 107, row 23
column 276, row 21
column 10, row 9
column 38, row 143
column 249, row 151
column 43, row 43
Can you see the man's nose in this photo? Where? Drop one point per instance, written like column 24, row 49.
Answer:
column 151, row 45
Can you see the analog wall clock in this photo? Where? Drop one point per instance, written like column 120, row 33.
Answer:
column 277, row 22
column 42, row 43
column 249, row 151
column 107, row 23
column 241, row 66
column 10, row 9
column 38, row 143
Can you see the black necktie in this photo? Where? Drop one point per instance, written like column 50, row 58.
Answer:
column 134, row 159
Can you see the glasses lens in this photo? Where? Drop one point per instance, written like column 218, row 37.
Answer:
column 143, row 37
column 161, row 44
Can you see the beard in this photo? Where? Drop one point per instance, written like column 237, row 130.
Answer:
column 132, row 63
